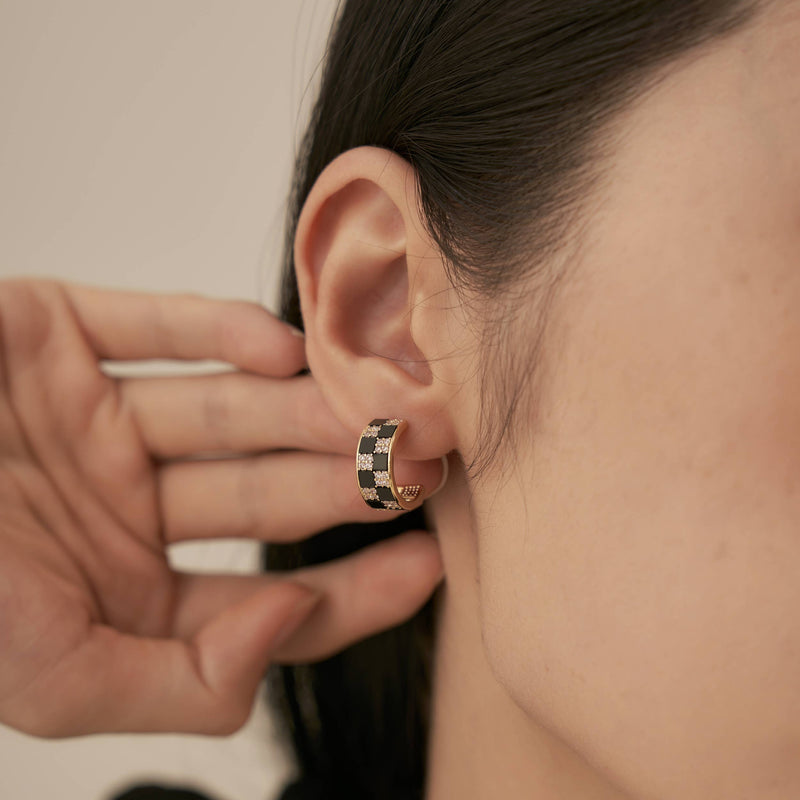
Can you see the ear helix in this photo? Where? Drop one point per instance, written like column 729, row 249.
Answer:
column 375, row 469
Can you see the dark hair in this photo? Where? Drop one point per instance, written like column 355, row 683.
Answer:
column 503, row 108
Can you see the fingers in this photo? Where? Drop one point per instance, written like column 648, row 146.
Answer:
column 376, row 588
column 283, row 496
column 232, row 412
column 117, row 682
column 234, row 627
column 227, row 630
column 139, row 325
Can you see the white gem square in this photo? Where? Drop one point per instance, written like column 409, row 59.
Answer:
column 371, row 430
column 392, row 505
column 382, row 478
column 369, row 493
column 364, row 461
column 382, row 445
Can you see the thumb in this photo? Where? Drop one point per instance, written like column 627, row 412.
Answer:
column 121, row 683
column 234, row 648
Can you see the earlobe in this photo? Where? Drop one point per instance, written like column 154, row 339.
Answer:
column 370, row 334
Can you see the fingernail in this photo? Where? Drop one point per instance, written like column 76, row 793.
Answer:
column 296, row 332
column 299, row 613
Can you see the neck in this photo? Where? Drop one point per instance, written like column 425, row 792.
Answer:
column 482, row 745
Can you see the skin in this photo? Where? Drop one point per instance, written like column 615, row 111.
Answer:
column 99, row 476
column 619, row 617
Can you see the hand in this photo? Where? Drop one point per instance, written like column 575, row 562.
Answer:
column 97, row 632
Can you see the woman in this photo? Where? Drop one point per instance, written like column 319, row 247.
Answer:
column 559, row 240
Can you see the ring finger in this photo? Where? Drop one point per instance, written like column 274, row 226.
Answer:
column 281, row 496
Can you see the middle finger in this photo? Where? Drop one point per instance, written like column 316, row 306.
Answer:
column 233, row 412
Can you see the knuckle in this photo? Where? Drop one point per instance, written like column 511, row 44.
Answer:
column 20, row 286
column 27, row 322
column 252, row 495
column 217, row 411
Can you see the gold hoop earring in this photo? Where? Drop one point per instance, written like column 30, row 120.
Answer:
column 375, row 468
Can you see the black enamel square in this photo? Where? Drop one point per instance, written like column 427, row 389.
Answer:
column 380, row 461
column 366, row 445
column 385, row 493
column 366, row 478
column 377, row 422
column 386, row 431
column 375, row 503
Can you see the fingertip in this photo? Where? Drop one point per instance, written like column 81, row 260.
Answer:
column 418, row 562
column 289, row 358
column 432, row 556
column 246, row 628
column 260, row 342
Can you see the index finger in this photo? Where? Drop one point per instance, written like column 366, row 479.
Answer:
column 125, row 324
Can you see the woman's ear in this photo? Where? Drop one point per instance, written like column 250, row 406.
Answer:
column 374, row 296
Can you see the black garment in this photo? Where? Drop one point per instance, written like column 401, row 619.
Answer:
column 152, row 791
column 307, row 789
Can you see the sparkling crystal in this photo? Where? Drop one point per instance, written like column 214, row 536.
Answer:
column 410, row 492
column 365, row 460
column 382, row 445
column 369, row 494
column 382, row 479
column 392, row 505
column 393, row 421
column 371, row 430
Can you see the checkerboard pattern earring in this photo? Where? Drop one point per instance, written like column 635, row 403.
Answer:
column 375, row 468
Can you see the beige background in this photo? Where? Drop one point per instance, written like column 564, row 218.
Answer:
column 149, row 145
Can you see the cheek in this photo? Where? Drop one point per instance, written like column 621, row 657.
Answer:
column 641, row 571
